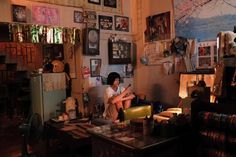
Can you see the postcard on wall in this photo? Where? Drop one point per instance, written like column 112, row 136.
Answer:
column 45, row 15
column 105, row 22
column 18, row 13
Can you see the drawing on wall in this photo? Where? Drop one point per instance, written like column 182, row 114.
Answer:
column 204, row 19
column 78, row 17
column 105, row 22
column 45, row 15
column 158, row 27
column 18, row 13
column 110, row 3
column 121, row 23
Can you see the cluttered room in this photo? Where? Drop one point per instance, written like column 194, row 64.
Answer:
column 121, row 78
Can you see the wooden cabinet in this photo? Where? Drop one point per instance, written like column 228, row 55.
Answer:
column 119, row 52
column 207, row 55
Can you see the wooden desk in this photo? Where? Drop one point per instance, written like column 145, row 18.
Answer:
column 71, row 135
column 107, row 142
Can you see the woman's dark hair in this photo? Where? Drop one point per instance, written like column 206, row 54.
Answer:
column 111, row 77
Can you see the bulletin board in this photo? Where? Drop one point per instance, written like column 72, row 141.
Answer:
column 154, row 51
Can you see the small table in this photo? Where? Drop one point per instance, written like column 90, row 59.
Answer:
column 107, row 142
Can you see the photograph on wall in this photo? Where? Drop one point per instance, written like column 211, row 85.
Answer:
column 45, row 15
column 90, row 18
column 129, row 70
column 121, row 23
column 18, row 13
column 158, row 27
column 203, row 19
column 119, row 53
column 95, row 1
column 95, row 67
column 110, row 3
column 105, row 22
column 78, row 17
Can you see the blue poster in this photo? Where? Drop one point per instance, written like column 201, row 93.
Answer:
column 204, row 19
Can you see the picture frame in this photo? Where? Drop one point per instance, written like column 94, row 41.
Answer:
column 110, row 3
column 119, row 52
column 91, row 41
column 121, row 23
column 98, row 2
column 129, row 70
column 78, row 17
column 95, row 67
column 18, row 13
column 105, row 22
column 158, row 27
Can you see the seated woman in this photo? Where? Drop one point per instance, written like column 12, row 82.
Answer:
column 116, row 97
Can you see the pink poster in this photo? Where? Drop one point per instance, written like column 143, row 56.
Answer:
column 45, row 15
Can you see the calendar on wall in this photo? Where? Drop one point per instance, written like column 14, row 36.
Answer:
column 207, row 54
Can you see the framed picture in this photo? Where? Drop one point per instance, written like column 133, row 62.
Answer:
column 121, row 23
column 95, row 1
column 18, row 13
column 95, row 67
column 110, row 3
column 119, row 52
column 158, row 27
column 90, row 18
column 129, row 70
column 78, row 17
column 92, row 41
column 105, row 22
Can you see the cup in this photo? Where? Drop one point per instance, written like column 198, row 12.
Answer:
column 147, row 127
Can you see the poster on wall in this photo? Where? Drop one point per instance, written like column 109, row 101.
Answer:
column 122, row 23
column 158, row 27
column 45, row 15
column 204, row 19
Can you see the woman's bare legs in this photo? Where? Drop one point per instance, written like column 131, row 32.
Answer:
column 127, row 104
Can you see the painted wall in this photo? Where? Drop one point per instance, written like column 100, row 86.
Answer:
column 151, row 80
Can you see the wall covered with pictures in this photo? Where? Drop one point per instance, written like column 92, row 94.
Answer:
column 104, row 15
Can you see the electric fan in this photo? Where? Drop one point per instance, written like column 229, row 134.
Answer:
column 31, row 132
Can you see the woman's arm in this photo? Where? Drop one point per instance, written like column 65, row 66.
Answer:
column 128, row 97
column 121, row 96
